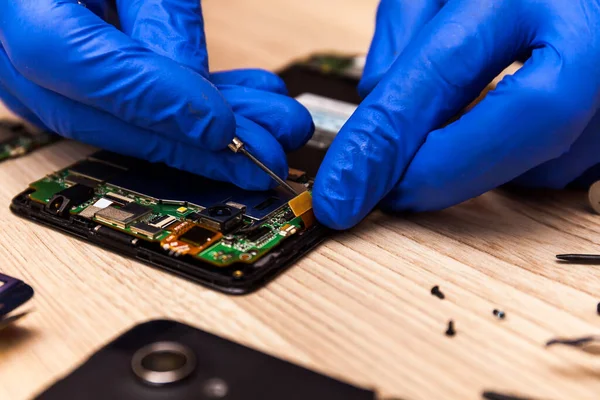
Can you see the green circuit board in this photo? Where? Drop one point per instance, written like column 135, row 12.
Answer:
column 187, row 233
column 17, row 140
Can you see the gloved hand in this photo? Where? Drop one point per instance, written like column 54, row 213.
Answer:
column 431, row 58
column 144, row 90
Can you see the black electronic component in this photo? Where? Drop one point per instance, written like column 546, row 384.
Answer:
column 197, row 236
column 195, row 217
column 289, row 215
column 228, row 239
column 162, row 221
column 221, row 217
column 259, row 233
column 145, row 229
column 499, row 314
column 118, row 198
column 62, row 202
column 81, row 180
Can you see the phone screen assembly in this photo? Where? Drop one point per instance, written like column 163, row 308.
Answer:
column 211, row 232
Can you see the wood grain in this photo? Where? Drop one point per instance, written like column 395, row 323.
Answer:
column 358, row 307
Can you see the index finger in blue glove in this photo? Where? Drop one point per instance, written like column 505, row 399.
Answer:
column 252, row 78
column 286, row 119
column 104, row 68
column 89, row 125
column 173, row 28
column 398, row 22
column 440, row 72
column 531, row 117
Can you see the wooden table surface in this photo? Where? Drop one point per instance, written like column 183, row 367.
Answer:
column 359, row 307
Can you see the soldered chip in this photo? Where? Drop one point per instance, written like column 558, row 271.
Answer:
column 145, row 229
column 89, row 212
column 123, row 216
column 197, row 236
column 259, row 233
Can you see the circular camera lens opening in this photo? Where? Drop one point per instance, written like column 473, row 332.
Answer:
column 162, row 363
column 220, row 211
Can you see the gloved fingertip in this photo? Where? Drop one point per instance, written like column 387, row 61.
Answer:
column 367, row 84
column 330, row 213
column 259, row 79
column 300, row 130
column 269, row 82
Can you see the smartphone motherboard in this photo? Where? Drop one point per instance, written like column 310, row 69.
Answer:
column 212, row 232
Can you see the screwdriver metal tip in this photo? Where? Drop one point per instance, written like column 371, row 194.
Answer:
column 237, row 146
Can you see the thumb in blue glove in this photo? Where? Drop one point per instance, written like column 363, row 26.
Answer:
column 433, row 58
column 144, row 90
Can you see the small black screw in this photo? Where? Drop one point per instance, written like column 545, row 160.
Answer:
column 598, row 308
column 450, row 331
column 437, row 292
column 501, row 314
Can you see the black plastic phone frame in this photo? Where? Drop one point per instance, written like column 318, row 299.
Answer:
column 219, row 278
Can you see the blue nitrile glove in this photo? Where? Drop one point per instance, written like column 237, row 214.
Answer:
column 431, row 58
column 144, row 90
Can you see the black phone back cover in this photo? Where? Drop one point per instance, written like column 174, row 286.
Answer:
column 249, row 374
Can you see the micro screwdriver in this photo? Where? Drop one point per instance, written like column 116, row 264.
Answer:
column 237, row 146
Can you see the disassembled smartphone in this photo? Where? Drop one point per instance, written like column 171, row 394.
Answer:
column 212, row 232
column 168, row 360
column 17, row 139
column 13, row 294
